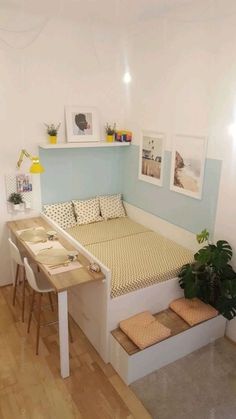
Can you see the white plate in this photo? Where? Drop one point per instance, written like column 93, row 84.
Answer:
column 34, row 235
column 52, row 256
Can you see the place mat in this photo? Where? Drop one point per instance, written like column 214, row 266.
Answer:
column 33, row 235
column 49, row 246
column 62, row 269
column 37, row 247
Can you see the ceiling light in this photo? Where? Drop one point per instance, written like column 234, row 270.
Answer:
column 127, row 78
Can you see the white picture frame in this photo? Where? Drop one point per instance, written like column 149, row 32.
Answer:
column 82, row 124
column 188, row 165
column 151, row 157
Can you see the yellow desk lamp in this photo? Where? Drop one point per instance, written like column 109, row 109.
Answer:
column 36, row 167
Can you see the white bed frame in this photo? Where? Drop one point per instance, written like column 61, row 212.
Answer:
column 91, row 305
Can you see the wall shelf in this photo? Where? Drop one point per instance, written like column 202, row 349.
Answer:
column 84, row 145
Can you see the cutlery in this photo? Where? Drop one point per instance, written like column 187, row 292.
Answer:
column 58, row 265
column 46, row 248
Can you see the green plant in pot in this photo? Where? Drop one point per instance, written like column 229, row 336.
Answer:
column 52, row 131
column 110, row 132
column 15, row 199
column 210, row 277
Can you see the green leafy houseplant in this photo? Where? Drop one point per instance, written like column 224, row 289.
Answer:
column 210, row 277
column 15, row 198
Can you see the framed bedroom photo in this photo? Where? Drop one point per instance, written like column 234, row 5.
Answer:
column 82, row 124
column 151, row 157
column 188, row 164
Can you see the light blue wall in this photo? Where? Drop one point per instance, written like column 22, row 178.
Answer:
column 80, row 173
column 181, row 210
column 87, row 172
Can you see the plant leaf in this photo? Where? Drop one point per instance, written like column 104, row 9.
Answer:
column 211, row 278
column 227, row 307
column 203, row 236
column 205, row 254
column 189, row 280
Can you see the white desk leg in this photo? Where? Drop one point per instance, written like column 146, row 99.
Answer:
column 63, row 334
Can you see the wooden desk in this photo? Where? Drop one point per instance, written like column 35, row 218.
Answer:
column 60, row 282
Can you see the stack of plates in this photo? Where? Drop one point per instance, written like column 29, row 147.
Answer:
column 52, row 256
column 34, row 235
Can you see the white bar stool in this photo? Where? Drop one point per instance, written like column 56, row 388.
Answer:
column 20, row 274
column 40, row 285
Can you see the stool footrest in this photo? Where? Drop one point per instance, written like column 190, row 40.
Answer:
column 49, row 323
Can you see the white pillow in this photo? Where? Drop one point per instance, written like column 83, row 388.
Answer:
column 62, row 214
column 111, row 206
column 87, row 211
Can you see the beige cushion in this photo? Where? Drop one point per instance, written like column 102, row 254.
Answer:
column 87, row 211
column 144, row 330
column 193, row 311
column 62, row 214
column 111, row 206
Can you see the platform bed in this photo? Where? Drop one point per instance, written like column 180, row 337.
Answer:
column 98, row 314
column 131, row 363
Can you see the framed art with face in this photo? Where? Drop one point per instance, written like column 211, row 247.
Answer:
column 82, row 124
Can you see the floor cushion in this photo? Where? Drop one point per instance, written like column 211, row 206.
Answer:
column 193, row 311
column 144, row 330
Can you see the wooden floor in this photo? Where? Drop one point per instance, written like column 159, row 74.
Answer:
column 31, row 386
column 166, row 317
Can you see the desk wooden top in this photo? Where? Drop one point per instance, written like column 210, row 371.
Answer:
column 62, row 281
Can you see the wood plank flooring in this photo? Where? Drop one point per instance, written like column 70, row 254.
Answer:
column 166, row 317
column 31, row 386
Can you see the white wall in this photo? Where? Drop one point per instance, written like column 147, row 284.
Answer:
column 223, row 115
column 181, row 55
column 72, row 62
column 183, row 64
column 172, row 60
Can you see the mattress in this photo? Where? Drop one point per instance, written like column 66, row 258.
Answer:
column 137, row 257
column 103, row 231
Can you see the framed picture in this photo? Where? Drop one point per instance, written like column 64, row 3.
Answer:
column 187, row 165
column 82, row 124
column 151, row 157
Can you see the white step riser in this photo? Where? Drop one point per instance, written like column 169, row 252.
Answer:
column 133, row 367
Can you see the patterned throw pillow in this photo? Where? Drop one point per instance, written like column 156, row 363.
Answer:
column 62, row 214
column 87, row 211
column 111, row 206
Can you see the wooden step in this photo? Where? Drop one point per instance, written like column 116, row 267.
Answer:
column 166, row 317
column 132, row 363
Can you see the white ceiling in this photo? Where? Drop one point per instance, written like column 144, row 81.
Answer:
column 20, row 15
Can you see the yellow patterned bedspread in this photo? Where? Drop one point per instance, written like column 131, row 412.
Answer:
column 140, row 260
column 105, row 230
column 137, row 257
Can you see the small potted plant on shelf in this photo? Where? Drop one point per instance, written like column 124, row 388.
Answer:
column 16, row 200
column 52, row 131
column 210, row 277
column 110, row 132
